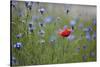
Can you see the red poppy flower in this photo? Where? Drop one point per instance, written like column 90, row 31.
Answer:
column 65, row 32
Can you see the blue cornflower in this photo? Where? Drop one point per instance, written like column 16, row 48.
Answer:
column 26, row 3
column 18, row 45
column 94, row 35
column 31, row 28
column 19, row 35
column 13, row 61
column 84, row 47
column 92, row 54
column 65, row 27
column 88, row 29
column 80, row 26
column 94, row 21
column 71, row 37
column 88, row 36
column 48, row 19
column 41, row 24
column 72, row 23
column 30, row 25
column 29, row 4
column 13, row 3
column 84, row 57
column 42, row 10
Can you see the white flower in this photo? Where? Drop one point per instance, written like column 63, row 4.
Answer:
column 41, row 33
column 42, row 41
column 58, row 18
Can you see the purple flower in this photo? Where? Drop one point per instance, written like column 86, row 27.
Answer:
column 18, row 45
column 65, row 26
column 84, row 57
column 48, row 19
